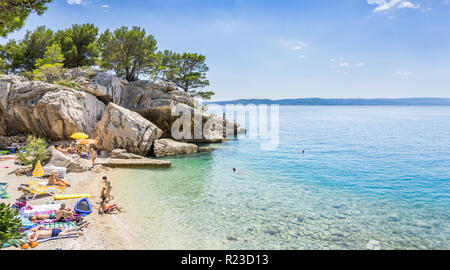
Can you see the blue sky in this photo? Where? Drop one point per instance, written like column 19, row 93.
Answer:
column 290, row 49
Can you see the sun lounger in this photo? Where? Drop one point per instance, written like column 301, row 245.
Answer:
column 55, row 238
column 30, row 192
column 60, row 171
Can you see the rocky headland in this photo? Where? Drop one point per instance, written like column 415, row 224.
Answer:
column 136, row 117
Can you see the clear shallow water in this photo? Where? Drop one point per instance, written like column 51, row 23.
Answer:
column 368, row 173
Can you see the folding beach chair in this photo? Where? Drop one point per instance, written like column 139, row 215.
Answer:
column 60, row 171
column 30, row 192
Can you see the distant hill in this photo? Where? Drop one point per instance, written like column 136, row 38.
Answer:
column 343, row 102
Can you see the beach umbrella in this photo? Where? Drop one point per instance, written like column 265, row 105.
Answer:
column 38, row 171
column 79, row 136
column 89, row 141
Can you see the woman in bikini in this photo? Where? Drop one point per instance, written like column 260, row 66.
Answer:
column 53, row 181
column 108, row 189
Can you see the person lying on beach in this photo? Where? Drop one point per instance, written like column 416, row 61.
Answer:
column 60, row 215
column 108, row 209
column 65, row 212
column 47, row 233
column 53, row 181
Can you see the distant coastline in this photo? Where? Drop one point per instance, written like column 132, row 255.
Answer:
column 343, row 102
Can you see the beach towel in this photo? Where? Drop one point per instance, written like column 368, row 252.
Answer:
column 4, row 167
column 39, row 209
column 59, row 225
column 3, row 193
column 6, row 158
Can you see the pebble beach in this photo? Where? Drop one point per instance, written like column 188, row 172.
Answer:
column 104, row 231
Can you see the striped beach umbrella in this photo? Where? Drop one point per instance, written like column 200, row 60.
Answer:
column 38, row 171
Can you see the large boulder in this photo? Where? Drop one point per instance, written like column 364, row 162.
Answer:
column 122, row 128
column 73, row 163
column 123, row 154
column 46, row 110
column 169, row 147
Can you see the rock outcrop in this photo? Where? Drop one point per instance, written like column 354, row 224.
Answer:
column 120, row 114
column 169, row 147
column 7, row 141
column 123, row 154
column 46, row 110
column 73, row 163
column 122, row 128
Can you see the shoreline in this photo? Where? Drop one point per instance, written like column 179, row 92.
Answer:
column 104, row 231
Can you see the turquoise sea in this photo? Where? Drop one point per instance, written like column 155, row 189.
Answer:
column 370, row 177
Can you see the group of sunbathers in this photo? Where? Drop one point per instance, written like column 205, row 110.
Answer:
column 106, row 197
column 60, row 215
column 74, row 149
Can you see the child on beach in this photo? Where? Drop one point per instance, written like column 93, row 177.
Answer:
column 108, row 209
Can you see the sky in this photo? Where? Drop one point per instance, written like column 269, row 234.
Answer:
column 289, row 49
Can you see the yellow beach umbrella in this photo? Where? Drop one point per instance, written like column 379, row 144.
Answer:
column 89, row 141
column 79, row 136
column 38, row 171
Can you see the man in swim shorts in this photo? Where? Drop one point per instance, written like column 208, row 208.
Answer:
column 48, row 233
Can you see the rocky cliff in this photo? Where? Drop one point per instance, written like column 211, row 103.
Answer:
column 120, row 114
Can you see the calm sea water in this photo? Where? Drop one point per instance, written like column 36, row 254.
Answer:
column 370, row 177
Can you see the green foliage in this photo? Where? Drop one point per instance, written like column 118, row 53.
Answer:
column 21, row 55
column 130, row 53
column 51, row 56
column 189, row 71
column 69, row 84
column 79, row 45
column 13, row 57
column 203, row 94
column 49, row 68
column 2, row 66
column 48, row 73
column 14, row 12
column 164, row 65
column 35, row 150
column 10, row 224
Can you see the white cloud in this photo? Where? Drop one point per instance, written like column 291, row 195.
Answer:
column 345, row 64
column 301, row 56
column 105, row 6
column 76, row 2
column 295, row 45
column 404, row 73
column 385, row 5
column 361, row 64
column 446, row 2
